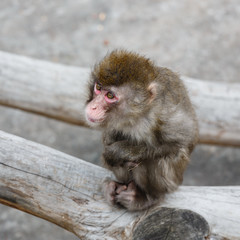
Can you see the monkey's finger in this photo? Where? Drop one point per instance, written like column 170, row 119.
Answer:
column 126, row 198
column 132, row 186
column 121, row 188
column 112, row 186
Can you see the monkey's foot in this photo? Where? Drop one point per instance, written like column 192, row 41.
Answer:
column 111, row 189
column 133, row 198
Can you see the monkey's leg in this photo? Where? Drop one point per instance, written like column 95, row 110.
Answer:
column 133, row 198
column 111, row 189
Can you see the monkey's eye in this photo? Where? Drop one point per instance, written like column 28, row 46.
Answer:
column 97, row 88
column 110, row 95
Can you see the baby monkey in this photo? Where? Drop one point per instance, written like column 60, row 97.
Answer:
column 149, row 127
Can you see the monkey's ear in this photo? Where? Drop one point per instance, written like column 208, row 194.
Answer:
column 152, row 88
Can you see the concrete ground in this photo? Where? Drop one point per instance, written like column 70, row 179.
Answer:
column 195, row 38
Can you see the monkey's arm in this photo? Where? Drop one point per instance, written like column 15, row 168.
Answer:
column 144, row 190
column 122, row 152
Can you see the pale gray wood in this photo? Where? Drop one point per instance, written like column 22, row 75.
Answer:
column 41, row 87
column 220, row 206
column 218, row 109
column 59, row 188
column 60, row 92
column 67, row 191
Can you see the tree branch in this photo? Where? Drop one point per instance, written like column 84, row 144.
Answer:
column 66, row 191
column 59, row 92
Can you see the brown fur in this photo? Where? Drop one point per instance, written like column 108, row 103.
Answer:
column 149, row 134
column 121, row 67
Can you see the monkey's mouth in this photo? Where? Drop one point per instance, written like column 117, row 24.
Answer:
column 95, row 120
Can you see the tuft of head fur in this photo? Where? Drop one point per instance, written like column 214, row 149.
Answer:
column 120, row 67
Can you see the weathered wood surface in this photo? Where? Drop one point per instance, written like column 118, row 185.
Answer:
column 59, row 92
column 66, row 191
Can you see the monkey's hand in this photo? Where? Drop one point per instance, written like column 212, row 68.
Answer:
column 133, row 198
column 111, row 189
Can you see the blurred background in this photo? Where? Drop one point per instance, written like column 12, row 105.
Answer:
column 199, row 39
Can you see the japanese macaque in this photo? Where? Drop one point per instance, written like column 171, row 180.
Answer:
column 149, row 128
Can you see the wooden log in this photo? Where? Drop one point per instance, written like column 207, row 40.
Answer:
column 218, row 108
column 59, row 92
column 49, row 89
column 66, row 191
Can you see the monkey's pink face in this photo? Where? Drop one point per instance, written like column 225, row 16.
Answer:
column 102, row 100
